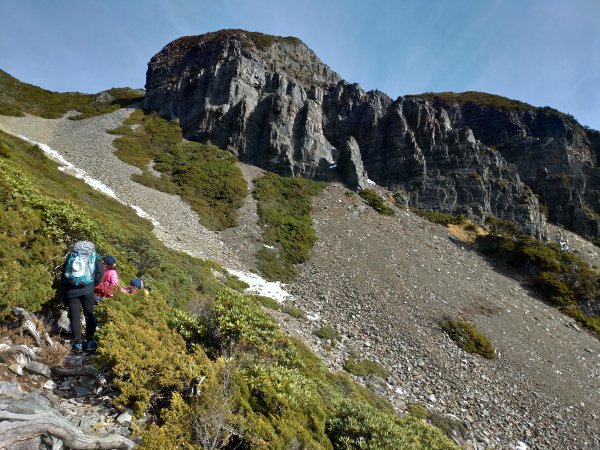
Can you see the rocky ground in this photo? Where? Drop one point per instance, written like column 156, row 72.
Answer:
column 384, row 283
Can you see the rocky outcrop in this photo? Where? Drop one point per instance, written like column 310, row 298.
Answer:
column 273, row 103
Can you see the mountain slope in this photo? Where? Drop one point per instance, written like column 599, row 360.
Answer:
column 17, row 98
column 228, row 366
column 385, row 283
column 273, row 103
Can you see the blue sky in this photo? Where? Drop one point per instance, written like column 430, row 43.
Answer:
column 544, row 52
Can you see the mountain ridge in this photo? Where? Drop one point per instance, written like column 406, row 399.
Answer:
column 447, row 153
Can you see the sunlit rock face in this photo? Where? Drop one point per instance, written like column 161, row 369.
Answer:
column 273, row 103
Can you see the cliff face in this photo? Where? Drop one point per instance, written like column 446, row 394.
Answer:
column 273, row 103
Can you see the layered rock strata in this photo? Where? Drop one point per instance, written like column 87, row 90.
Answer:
column 273, row 103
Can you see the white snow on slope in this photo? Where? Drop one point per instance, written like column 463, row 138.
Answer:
column 71, row 169
column 258, row 285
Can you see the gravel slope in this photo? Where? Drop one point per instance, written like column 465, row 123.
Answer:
column 385, row 283
column 85, row 144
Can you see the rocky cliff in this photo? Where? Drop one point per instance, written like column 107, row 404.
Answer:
column 273, row 103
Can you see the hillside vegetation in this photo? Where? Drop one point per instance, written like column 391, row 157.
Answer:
column 204, row 363
column 17, row 98
column 284, row 210
column 560, row 277
column 203, row 175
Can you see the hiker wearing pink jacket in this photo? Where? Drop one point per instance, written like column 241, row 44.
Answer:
column 110, row 280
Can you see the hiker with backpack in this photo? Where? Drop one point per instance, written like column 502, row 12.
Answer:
column 109, row 281
column 81, row 272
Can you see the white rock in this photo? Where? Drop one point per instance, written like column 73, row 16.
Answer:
column 125, row 417
column 4, row 347
column 16, row 369
column 50, row 385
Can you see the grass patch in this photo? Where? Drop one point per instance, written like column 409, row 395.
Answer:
column 468, row 337
column 145, row 137
column 418, row 411
column 441, row 218
column 235, row 283
column 17, row 98
column 284, row 208
column 328, row 332
column 268, row 302
column 560, row 277
column 203, row 175
column 365, row 367
column 294, row 311
column 375, row 201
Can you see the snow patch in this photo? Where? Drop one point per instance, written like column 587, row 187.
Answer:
column 70, row 168
column 521, row 446
column 371, row 182
column 260, row 286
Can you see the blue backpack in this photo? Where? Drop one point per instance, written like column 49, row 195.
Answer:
column 79, row 268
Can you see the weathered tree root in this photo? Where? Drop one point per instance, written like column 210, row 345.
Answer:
column 19, row 349
column 22, row 427
column 28, row 324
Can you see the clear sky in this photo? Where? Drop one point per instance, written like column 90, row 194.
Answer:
column 544, row 52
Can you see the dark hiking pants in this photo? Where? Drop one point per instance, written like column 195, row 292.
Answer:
column 75, row 304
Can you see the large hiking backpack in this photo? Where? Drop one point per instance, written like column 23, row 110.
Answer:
column 79, row 268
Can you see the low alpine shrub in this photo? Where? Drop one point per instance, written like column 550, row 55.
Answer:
column 376, row 202
column 468, row 337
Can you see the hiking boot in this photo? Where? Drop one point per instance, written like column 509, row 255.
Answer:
column 91, row 346
column 77, row 347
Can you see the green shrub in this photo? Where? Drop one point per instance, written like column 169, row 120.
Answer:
column 145, row 356
column 203, row 175
column 239, row 320
column 375, row 201
column 327, row 332
column 468, row 337
column 284, row 209
column 235, row 283
column 449, row 425
column 561, row 277
column 360, row 426
column 268, row 302
column 417, row 410
column 294, row 311
column 273, row 265
column 440, row 217
column 364, row 368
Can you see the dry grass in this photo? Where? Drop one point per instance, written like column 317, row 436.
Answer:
column 15, row 336
column 466, row 232
column 53, row 356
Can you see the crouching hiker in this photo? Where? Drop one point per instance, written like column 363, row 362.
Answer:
column 136, row 285
column 110, row 279
column 81, row 271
